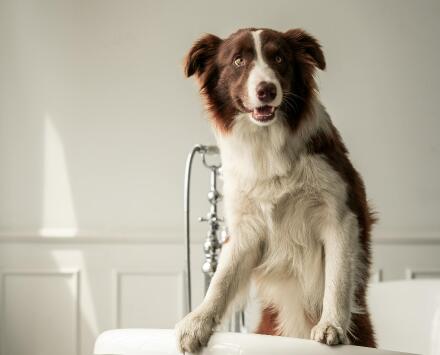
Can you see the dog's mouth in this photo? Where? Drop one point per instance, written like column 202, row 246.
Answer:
column 263, row 113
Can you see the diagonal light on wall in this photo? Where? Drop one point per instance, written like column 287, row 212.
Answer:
column 59, row 218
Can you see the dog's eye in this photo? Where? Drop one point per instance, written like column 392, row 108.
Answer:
column 278, row 59
column 239, row 61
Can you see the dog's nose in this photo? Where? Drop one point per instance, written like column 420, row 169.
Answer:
column 266, row 92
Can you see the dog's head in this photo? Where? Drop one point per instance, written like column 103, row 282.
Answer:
column 256, row 72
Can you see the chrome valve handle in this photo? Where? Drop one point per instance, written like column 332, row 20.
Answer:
column 212, row 245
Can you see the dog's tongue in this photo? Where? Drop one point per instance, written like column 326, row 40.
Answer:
column 263, row 112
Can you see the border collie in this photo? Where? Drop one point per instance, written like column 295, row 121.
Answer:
column 295, row 207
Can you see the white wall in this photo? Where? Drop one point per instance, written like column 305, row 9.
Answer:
column 96, row 117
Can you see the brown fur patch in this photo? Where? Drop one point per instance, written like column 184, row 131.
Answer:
column 306, row 57
column 268, row 322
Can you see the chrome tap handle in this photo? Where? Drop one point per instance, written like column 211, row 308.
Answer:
column 211, row 219
column 208, row 165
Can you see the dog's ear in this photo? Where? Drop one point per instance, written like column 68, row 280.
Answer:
column 201, row 53
column 307, row 44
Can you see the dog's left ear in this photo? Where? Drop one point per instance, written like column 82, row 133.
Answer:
column 307, row 44
column 201, row 53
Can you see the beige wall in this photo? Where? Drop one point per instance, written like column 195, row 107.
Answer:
column 96, row 117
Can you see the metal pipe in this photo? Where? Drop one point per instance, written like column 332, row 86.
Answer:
column 186, row 210
column 187, row 224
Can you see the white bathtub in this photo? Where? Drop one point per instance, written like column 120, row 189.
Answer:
column 406, row 316
column 162, row 342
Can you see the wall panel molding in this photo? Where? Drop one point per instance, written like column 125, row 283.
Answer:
column 377, row 276
column 413, row 274
column 118, row 275
column 72, row 273
column 151, row 236
column 173, row 236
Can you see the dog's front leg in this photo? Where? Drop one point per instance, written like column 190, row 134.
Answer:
column 233, row 273
column 340, row 241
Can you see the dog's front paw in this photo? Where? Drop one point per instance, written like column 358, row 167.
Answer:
column 193, row 331
column 329, row 333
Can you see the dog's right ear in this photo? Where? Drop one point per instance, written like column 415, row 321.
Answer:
column 201, row 53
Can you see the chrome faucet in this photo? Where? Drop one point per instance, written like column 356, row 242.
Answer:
column 217, row 232
column 212, row 245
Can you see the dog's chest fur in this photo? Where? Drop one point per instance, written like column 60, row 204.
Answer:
column 289, row 194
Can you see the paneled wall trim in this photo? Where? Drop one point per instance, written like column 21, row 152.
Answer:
column 119, row 275
column 174, row 236
column 377, row 276
column 412, row 274
column 73, row 274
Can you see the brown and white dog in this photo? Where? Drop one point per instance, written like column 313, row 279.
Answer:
column 296, row 208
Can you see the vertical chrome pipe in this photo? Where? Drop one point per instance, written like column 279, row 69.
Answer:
column 186, row 194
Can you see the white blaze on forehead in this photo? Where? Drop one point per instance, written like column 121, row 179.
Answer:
column 256, row 35
column 261, row 72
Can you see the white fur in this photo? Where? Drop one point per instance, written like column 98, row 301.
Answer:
column 291, row 233
column 261, row 71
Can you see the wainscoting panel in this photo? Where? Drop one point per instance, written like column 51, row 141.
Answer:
column 411, row 260
column 48, row 309
column 58, row 294
column 39, row 310
column 412, row 274
column 148, row 299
